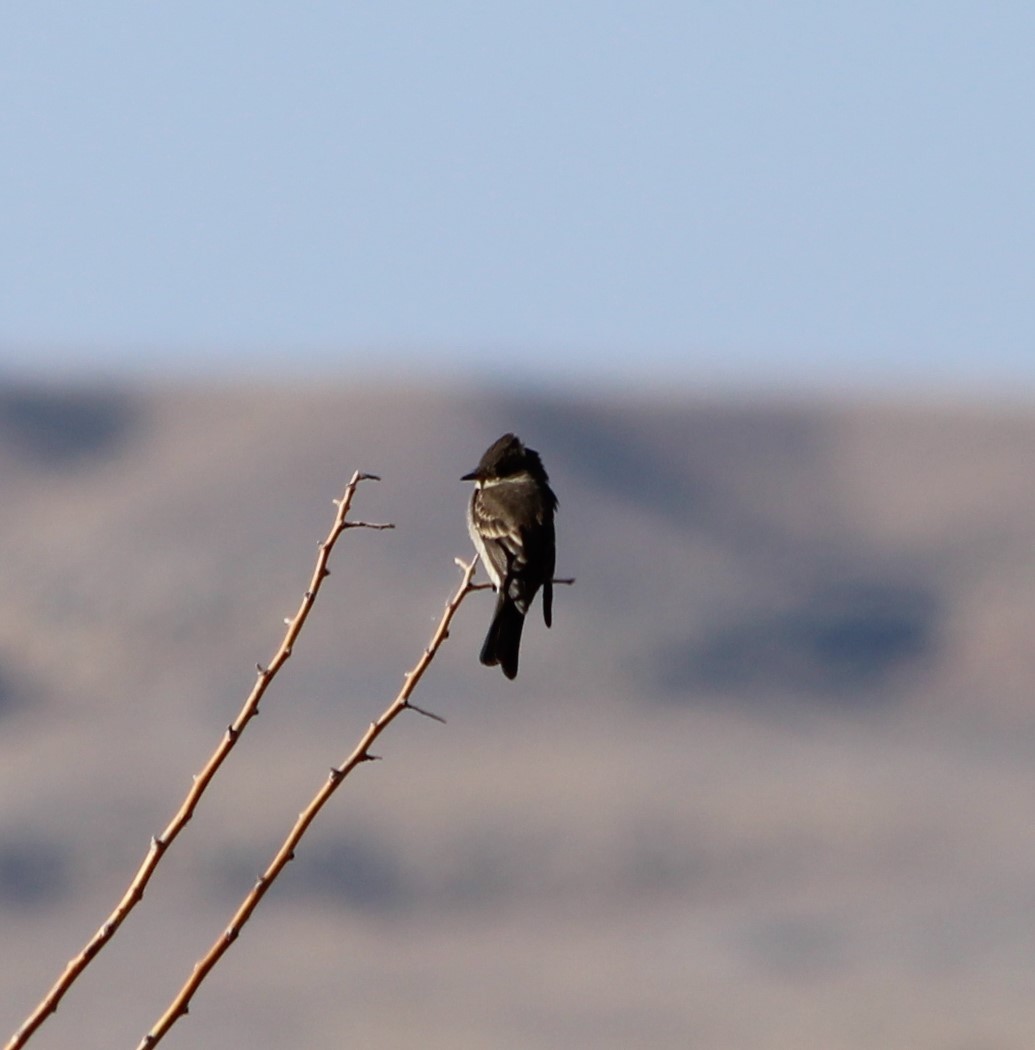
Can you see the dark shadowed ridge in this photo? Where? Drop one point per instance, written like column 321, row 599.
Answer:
column 56, row 427
column 847, row 644
column 33, row 871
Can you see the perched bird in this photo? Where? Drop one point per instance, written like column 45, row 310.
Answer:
column 510, row 518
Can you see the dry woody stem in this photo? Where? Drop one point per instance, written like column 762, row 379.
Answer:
column 161, row 843
column 361, row 753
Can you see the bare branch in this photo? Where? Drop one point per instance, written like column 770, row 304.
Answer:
column 361, row 753
column 160, row 843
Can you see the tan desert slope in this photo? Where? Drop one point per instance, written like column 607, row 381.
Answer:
column 766, row 784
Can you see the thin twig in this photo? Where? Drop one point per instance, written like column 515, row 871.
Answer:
column 159, row 844
column 566, row 581
column 181, row 1003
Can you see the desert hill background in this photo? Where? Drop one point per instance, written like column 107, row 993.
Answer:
column 767, row 783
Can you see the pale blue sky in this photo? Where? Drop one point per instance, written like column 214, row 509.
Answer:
column 758, row 194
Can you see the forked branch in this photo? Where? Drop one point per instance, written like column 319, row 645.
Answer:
column 160, row 843
column 361, row 753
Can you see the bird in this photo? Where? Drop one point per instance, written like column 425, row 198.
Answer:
column 510, row 519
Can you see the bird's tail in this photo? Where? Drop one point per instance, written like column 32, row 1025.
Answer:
column 504, row 637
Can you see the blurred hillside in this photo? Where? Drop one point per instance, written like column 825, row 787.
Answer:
column 765, row 784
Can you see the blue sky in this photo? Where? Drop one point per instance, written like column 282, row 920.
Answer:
column 755, row 194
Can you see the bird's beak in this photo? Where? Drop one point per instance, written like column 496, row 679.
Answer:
column 473, row 476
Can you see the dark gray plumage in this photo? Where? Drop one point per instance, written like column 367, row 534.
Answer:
column 510, row 518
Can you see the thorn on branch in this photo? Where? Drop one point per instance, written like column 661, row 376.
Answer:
column 426, row 714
